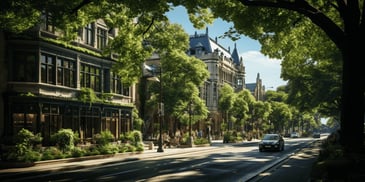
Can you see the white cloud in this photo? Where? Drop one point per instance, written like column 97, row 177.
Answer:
column 269, row 69
column 257, row 58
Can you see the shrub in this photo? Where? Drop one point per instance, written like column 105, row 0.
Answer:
column 199, row 141
column 31, row 156
column 126, row 137
column 76, row 138
column 21, row 153
column 64, row 139
column 108, row 149
column 92, row 150
column 77, row 152
column 134, row 138
column 126, row 147
column 140, row 147
column 137, row 137
column 23, row 149
column 231, row 136
column 185, row 139
column 52, row 153
column 27, row 138
column 104, row 138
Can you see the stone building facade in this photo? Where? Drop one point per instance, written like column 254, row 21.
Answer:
column 43, row 81
column 224, row 65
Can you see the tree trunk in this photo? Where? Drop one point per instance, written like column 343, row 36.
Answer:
column 353, row 82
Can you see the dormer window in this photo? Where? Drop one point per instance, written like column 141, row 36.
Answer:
column 199, row 48
column 198, row 51
column 89, row 34
column 48, row 22
column 102, row 36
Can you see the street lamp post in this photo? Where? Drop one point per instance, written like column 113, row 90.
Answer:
column 209, row 125
column 161, row 114
column 151, row 75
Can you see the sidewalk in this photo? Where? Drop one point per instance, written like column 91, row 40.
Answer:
column 88, row 161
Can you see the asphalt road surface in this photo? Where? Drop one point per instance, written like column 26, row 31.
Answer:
column 219, row 162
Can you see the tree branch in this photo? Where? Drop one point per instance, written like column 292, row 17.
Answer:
column 149, row 26
column 83, row 3
column 334, row 32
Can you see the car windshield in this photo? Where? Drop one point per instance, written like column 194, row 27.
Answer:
column 271, row 137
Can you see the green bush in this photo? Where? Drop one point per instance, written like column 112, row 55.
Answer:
column 134, row 138
column 104, row 138
column 137, row 137
column 23, row 149
column 52, row 153
column 64, row 139
column 126, row 147
column 27, row 138
column 21, row 153
column 185, row 139
column 231, row 137
column 140, row 147
column 31, row 156
column 200, row 141
column 76, row 138
column 92, row 150
column 77, row 152
column 126, row 137
column 108, row 149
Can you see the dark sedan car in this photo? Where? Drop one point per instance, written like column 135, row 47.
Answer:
column 274, row 142
column 316, row 135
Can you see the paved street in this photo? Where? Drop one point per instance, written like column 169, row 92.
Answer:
column 296, row 168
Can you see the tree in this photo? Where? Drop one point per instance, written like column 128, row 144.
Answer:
column 328, row 27
column 241, row 106
column 277, row 96
column 226, row 99
column 337, row 26
column 260, row 116
column 280, row 116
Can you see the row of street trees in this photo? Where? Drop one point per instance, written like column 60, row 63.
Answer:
column 319, row 42
column 273, row 115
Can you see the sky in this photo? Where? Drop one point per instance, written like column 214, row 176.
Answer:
column 249, row 49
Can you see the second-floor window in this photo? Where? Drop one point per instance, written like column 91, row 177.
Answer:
column 25, row 67
column 102, row 36
column 116, row 85
column 66, row 72
column 90, row 77
column 58, row 70
column 48, row 68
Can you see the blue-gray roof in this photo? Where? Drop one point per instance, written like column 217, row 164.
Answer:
column 208, row 44
column 235, row 56
column 251, row 86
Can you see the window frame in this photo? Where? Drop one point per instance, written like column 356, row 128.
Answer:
column 90, row 76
